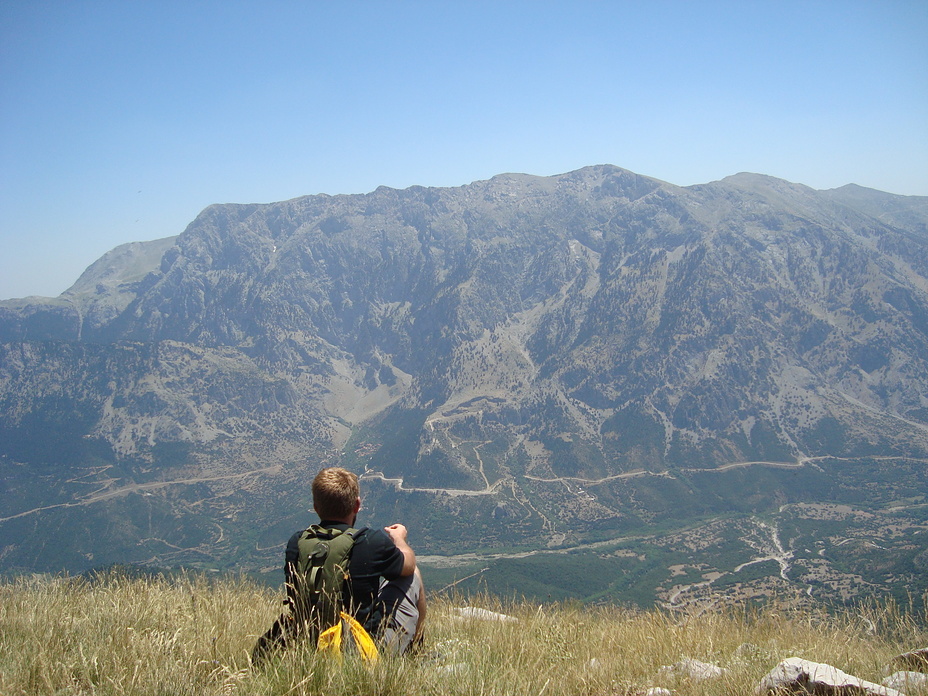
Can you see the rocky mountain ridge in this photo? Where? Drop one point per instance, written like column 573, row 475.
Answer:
column 512, row 342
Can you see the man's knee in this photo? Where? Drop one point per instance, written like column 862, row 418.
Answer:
column 403, row 599
column 404, row 592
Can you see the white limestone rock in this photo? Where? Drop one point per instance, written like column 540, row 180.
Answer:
column 818, row 678
column 483, row 614
column 694, row 669
column 909, row 682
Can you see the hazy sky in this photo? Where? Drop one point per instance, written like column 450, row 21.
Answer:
column 120, row 121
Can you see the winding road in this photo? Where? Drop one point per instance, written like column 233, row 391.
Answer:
column 107, row 493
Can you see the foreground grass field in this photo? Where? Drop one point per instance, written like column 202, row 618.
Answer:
column 193, row 636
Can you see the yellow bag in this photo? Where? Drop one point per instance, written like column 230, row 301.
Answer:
column 349, row 632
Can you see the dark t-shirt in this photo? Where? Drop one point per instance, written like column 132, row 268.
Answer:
column 373, row 556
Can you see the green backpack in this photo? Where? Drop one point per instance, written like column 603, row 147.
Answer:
column 316, row 570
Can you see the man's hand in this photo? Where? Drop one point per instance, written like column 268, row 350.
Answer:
column 398, row 533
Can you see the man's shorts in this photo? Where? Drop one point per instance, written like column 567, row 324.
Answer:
column 401, row 597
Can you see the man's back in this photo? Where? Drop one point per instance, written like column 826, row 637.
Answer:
column 373, row 556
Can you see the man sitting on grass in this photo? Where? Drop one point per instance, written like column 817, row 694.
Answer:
column 382, row 588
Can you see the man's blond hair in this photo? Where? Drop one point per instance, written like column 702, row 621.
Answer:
column 335, row 493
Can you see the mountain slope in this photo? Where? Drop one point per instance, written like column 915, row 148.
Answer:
column 536, row 355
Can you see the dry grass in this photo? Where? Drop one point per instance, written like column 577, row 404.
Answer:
column 193, row 636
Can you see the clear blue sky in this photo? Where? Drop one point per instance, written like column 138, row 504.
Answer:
column 120, row 121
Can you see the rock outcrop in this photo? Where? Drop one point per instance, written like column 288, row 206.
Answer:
column 797, row 675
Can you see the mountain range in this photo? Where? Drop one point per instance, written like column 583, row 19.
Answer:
column 517, row 367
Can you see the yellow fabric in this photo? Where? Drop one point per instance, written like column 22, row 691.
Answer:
column 330, row 640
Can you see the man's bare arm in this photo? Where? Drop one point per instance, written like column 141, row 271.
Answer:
column 398, row 533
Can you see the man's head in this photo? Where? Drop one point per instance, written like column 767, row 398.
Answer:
column 336, row 494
